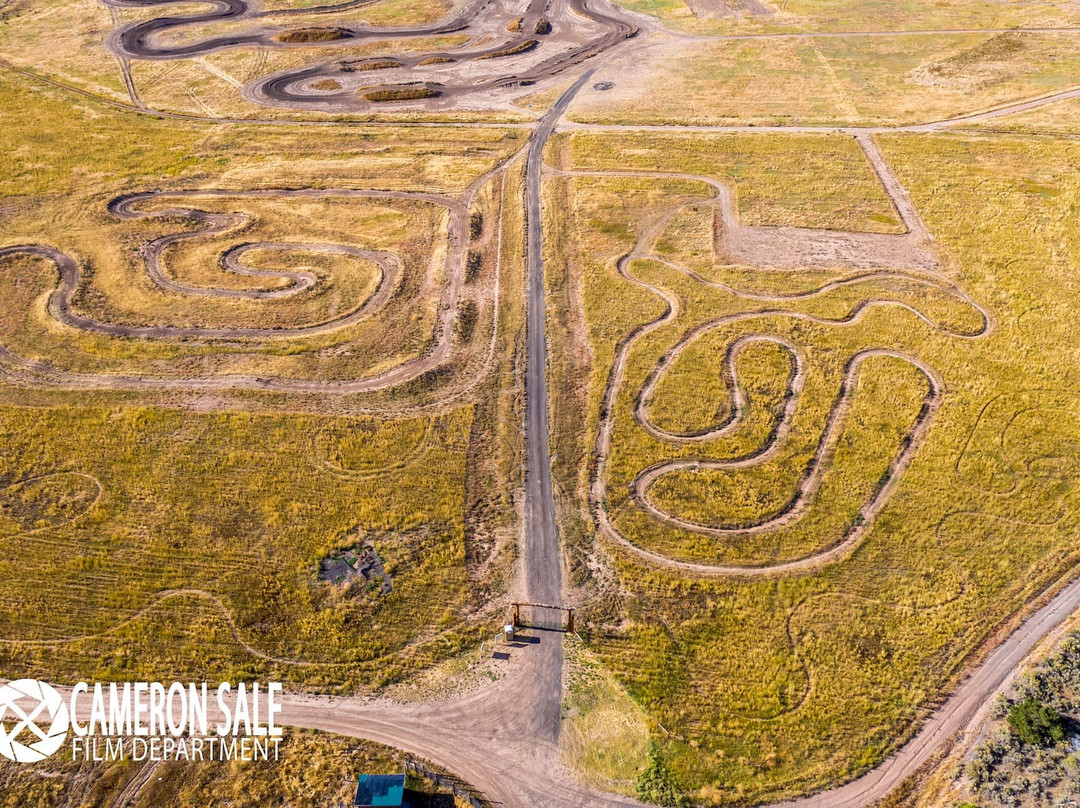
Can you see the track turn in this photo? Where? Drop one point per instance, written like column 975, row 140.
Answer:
column 737, row 244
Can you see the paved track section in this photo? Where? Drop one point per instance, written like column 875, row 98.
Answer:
column 956, row 122
column 504, row 49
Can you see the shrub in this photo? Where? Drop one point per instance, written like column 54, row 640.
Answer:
column 1035, row 723
column 655, row 784
column 467, row 316
column 472, row 266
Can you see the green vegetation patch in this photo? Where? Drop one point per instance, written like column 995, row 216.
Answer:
column 1033, row 754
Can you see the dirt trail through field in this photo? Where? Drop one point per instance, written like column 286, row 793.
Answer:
column 879, row 257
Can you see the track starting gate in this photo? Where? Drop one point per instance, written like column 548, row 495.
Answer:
column 543, row 615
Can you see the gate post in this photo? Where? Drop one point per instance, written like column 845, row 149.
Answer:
column 570, row 621
column 517, row 615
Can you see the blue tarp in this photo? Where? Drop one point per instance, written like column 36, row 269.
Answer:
column 380, row 790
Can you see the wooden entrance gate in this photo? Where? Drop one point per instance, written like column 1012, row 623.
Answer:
column 543, row 615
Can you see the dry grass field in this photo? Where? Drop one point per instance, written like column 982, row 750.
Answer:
column 864, row 81
column 315, row 770
column 171, row 544
column 185, row 541
column 124, row 153
column 769, row 687
column 771, row 16
column 811, row 375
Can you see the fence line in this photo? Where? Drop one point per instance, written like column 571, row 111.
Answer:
column 457, row 786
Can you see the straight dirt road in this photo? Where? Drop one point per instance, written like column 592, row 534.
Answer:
column 542, row 573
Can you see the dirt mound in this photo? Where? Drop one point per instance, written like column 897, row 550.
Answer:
column 994, row 61
column 400, row 94
column 312, row 35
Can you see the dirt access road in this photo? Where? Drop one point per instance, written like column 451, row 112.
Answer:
column 503, row 739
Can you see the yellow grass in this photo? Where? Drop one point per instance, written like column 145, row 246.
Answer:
column 771, row 688
column 826, row 81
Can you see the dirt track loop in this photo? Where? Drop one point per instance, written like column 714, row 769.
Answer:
column 36, row 373
column 878, row 258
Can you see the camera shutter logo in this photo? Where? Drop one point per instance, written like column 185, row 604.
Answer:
column 33, row 720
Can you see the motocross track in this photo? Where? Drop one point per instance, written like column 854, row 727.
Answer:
column 503, row 738
column 547, row 39
column 878, row 257
column 38, row 373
